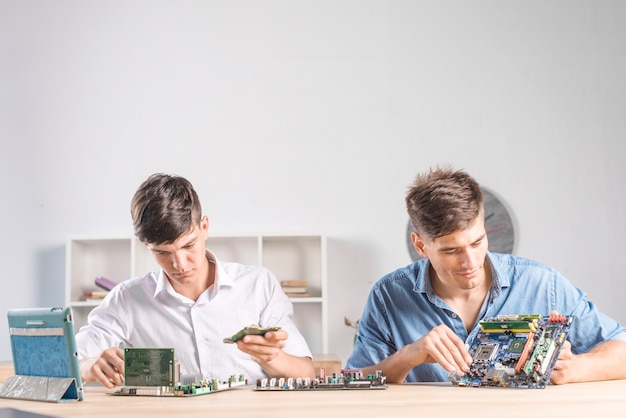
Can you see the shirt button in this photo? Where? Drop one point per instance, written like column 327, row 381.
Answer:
column 454, row 315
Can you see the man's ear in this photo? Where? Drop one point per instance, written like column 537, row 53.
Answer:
column 418, row 244
column 204, row 225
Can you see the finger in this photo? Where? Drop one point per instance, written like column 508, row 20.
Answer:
column 453, row 357
column 263, row 341
column 566, row 352
column 111, row 373
column 117, row 379
column 457, row 349
column 264, row 356
column 115, row 358
column 260, row 345
column 557, row 377
column 101, row 377
column 433, row 346
column 276, row 335
column 461, row 354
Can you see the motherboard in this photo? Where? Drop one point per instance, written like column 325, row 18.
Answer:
column 515, row 351
column 156, row 372
column 348, row 379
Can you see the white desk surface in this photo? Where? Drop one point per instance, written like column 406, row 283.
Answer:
column 589, row 400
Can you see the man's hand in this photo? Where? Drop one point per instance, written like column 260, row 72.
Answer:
column 561, row 373
column 267, row 350
column 263, row 348
column 108, row 369
column 441, row 345
column 564, row 365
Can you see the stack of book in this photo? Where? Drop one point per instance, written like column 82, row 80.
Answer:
column 294, row 288
column 95, row 294
column 102, row 283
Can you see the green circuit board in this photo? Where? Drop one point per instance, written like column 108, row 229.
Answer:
column 149, row 367
column 348, row 379
column 155, row 372
column 249, row 331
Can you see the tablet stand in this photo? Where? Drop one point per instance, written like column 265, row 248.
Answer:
column 40, row 388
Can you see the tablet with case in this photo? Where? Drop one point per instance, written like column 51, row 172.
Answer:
column 45, row 360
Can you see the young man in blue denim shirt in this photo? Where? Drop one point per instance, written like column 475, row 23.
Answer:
column 418, row 320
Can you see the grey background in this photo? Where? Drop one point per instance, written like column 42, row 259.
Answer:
column 313, row 117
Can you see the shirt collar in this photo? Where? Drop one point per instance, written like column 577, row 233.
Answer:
column 422, row 281
column 499, row 277
column 222, row 279
column 161, row 283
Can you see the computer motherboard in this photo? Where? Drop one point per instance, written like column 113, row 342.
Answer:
column 155, row 372
column 515, row 351
column 348, row 379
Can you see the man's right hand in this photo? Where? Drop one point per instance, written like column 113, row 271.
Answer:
column 441, row 345
column 108, row 369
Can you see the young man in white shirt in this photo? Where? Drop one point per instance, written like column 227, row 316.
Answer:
column 192, row 303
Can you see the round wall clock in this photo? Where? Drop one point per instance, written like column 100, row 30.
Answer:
column 498, row 224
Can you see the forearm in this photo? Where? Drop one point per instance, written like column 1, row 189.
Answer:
column 396, row 367
column 606, row 361
column 286, row 365
column 85, row 365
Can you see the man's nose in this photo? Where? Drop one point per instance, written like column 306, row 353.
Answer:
column 467, row 258
column 179, row 261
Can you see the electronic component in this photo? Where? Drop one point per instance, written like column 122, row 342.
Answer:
column 515, row 351
column 248, row 331
column 155, row 372
column 150, row 367
column 346, row 380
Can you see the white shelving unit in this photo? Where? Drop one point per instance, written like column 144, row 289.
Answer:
column 289, row 257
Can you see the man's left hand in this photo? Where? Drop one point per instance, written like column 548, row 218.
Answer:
column 564, row 365
column 263, row 348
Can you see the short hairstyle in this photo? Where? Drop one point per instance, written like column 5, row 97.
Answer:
column 164, row 208
column 443, row 201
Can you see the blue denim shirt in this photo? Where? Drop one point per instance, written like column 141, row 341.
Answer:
column 402, row 307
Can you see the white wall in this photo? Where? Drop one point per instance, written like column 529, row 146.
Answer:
column 314, row 116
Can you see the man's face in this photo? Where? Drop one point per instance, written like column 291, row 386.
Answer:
column 458, row 258
column 182, row 260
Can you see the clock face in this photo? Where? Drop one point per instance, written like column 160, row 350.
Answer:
column 498, row 224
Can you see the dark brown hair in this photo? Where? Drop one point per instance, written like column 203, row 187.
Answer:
column 443, row 201
column 164, row 208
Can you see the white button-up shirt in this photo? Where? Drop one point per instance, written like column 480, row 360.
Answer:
column 146, row 312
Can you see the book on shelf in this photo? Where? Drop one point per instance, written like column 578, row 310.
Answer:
column 297, row 295
column 294, row 287
column 95, row 294
column 288, row 283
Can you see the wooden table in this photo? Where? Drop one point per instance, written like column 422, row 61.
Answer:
column 601, row 399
